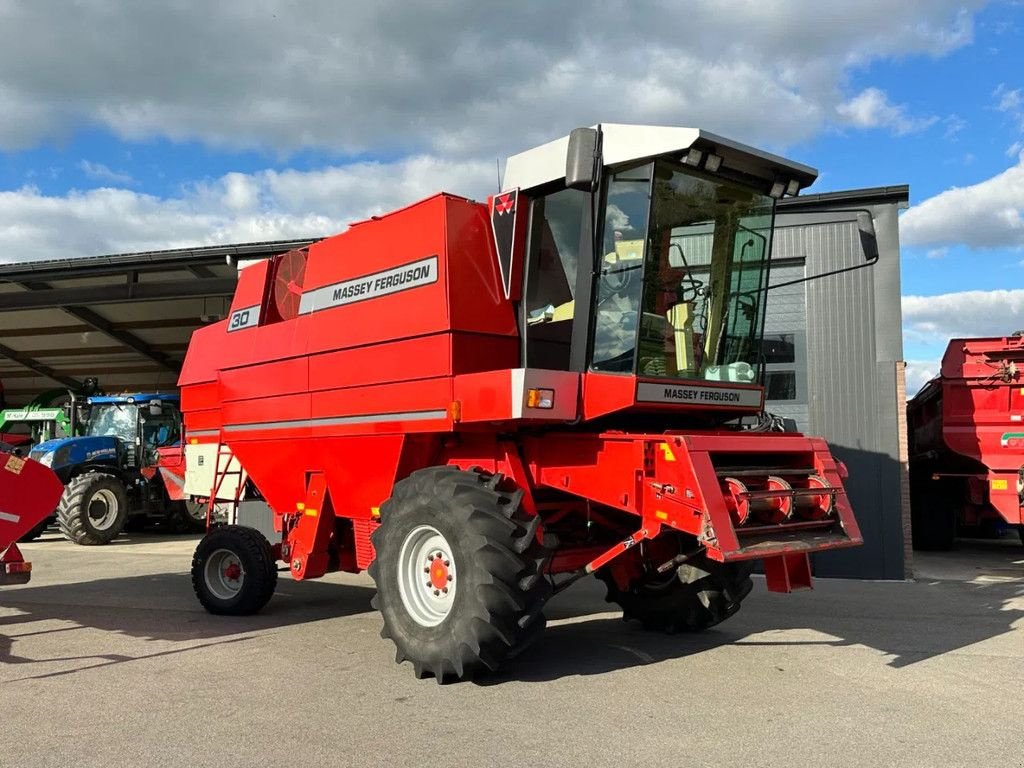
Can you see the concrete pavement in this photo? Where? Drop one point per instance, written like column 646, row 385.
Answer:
column 107, row 659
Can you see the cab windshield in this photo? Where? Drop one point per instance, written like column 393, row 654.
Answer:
column 682, row 275
column 113, row 419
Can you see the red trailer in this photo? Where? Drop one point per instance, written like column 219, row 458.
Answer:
column 29, row 493
column 482, row 403
column 966, row 430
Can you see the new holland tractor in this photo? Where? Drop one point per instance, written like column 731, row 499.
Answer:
column 125, row 468
column 483, row 403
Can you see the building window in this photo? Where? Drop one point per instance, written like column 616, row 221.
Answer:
column 785, row 367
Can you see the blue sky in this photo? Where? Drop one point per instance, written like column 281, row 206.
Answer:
column 133, row 126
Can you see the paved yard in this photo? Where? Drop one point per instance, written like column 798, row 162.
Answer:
column 106, row 659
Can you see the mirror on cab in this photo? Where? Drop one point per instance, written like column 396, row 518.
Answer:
column 868, row 239
column 582, row 159
column 156, row 408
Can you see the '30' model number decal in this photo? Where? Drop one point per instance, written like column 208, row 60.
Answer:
column 247, row 317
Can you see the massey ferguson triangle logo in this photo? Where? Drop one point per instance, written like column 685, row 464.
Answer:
column 505, row 203
column 503, row 224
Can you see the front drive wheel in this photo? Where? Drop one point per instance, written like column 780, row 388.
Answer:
column 233, row 571
column 699, row 594
column 459, row 573
column 93, row 509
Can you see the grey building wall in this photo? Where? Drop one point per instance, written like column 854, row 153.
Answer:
column 847, row 329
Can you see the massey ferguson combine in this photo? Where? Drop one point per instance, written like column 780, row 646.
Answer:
column 481, row 404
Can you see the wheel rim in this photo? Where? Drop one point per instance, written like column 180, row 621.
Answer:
column 196, row 510
column 426, row 576
column 224, row 574
column 103, row 509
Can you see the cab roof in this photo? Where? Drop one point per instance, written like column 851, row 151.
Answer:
column 134, row 397
column 623, row 143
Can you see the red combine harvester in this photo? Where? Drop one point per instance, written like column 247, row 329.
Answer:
column 483, row 403
column 29, row 493
column 966, row 430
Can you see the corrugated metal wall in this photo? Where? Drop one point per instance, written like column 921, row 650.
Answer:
column 854, row 345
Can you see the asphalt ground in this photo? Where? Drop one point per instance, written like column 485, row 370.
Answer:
column 106, row 659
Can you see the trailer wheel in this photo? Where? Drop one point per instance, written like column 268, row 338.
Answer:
column 699, row 594
column 234, row 572
column 933, row 515
column 93, row 509
column 459, row 573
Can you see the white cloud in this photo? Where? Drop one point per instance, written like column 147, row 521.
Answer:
column 871, row 108
column 937, row 253
column 459, row 76
column 919, row 373
column 235, row 208
column 932, row 320
column 100, row 172
column 989, row 214
column 1010, row 100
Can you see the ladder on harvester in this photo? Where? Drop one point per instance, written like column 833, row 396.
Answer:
column 219, row 475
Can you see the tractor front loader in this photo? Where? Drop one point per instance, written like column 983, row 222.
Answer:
column 482, row 404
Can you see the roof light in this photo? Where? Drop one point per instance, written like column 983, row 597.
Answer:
column 693, row 157
column 793, row 188
column 777, row 190
column 713, row 163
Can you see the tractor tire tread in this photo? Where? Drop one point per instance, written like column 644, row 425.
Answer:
column 501, row 617
column 72, row 518
column 257, row 558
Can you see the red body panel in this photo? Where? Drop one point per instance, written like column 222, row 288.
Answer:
column 968, row 424
column 404, row 355
column 29, row 493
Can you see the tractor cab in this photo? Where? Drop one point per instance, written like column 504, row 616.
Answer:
column 645, row 256
column 128, row 462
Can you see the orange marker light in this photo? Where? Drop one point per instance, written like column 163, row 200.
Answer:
column 540, row 398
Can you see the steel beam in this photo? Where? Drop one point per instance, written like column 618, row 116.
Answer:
column 106, row 327
column 123, row 293
column 34, row 365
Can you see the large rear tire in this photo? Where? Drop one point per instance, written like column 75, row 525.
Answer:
column 234, row 572
column 459, row 573
column 698, row 595
column 93, row 509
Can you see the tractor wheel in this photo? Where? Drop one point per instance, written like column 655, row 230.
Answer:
column 234, row 572
column 36, row 532
column 459, row 573
column 699, row 594
column 189, row 515
column 93, row 509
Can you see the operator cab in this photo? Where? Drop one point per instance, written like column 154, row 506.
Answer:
column 655, row 265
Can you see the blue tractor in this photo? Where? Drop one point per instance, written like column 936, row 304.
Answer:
column 126, row 467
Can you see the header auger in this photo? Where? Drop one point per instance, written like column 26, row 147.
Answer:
column 483, row 403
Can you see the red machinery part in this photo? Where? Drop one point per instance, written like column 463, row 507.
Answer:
column 966, row 435
column 29, row 493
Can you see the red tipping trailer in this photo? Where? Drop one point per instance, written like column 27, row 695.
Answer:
column 29, row 493
column 966, row 430
column 483, row 403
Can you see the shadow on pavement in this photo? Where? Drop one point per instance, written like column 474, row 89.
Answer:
column 132, row 606
column 909, row 622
